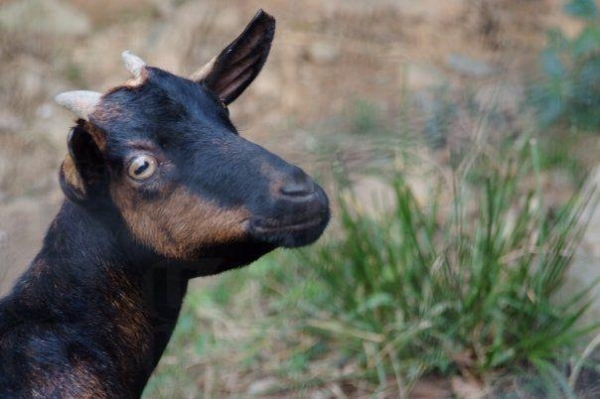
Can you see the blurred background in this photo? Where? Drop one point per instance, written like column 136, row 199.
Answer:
column 381, row 100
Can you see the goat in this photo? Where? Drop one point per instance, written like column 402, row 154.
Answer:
column 160, row 188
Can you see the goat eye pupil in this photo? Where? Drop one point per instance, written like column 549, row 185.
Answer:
column 142, row 168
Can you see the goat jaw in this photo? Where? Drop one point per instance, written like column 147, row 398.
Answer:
column 81, row 102
column 133, row 63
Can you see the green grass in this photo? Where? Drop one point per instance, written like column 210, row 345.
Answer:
column 365, row 118
column 569, row 91
column 437, row 287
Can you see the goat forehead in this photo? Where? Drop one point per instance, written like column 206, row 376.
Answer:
column 165, row 108
column 179, row 91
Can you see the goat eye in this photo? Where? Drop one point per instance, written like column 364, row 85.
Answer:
column 142, row 167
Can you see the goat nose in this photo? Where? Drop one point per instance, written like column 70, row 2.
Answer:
column 300, row 185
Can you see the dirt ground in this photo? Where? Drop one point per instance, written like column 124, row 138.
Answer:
column 327, row 57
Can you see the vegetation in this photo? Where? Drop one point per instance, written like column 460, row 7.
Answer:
column 436, row 288
column 570, row 90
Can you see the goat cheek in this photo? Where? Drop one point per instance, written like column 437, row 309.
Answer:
column 181, row 225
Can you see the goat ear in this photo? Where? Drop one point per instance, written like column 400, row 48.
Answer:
column 229, row 73
column 83, row 175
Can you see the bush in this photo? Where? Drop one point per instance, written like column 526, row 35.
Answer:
column 570, row 89
column 437, row 288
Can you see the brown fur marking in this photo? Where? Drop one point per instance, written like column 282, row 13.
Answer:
column 76, row 383
column 71, row 175
column 276, row 178
column 178, row 224
column 131, row 320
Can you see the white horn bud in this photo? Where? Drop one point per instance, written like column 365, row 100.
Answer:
column 81, row 102
column 133, row 63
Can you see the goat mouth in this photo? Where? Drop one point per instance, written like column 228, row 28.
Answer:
column 274, row 226
column 289, row 233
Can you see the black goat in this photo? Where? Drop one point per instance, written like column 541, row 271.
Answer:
column 160, row 188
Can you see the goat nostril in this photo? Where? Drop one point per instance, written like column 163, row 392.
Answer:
column 298, row 188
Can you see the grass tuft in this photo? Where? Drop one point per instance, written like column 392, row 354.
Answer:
column 465, row 285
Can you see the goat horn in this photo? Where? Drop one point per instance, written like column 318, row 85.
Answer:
column 133, row 63
column 81, row 102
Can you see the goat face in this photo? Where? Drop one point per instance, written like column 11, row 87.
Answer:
column 162, row 153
